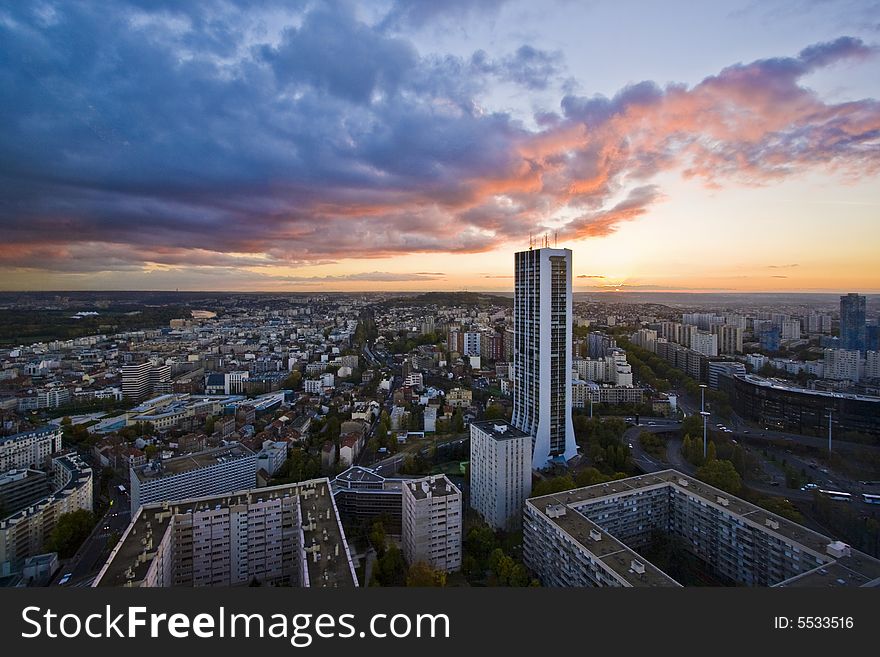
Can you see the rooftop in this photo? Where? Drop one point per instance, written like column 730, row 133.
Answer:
column 778, row 384
column 499, row 429
column 859, row 568
column 190, row 462
column 432, row 486
column 130, row 560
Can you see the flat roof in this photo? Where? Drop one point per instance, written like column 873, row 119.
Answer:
column 436, row 485
column 190, row 462
column 507, row 431
column 860, row 568
column 132, row 556
column 777, row 384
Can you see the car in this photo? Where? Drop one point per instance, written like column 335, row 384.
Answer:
column 774, row 483
column 65, row 579
column 630, row 445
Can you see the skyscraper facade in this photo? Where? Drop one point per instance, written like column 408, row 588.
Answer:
column 852, row 322
column 542, row 353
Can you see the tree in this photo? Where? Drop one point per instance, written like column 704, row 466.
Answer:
column 390, row 569
column 711, row 452
column 421, row 574
column 721, row 474
column 293, row 380
column 150, row 451
column 209, row 424
column 377, row 537
column 71, row 529
column 494, row 412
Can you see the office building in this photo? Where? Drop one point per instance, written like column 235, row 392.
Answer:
column 286, row 535
column 543, row 353
column 29, row 449
column 852, row 322
column 595, row 536
column 211, row 472
column 787, row 407
column 719, row 368
column 500, row 472
column 363, row 497
column 136, row 380
column 431, row 523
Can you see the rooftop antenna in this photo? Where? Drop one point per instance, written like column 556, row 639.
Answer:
column 555, row 239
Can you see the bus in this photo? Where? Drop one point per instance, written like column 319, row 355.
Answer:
column 867, row 498
column 840, row 496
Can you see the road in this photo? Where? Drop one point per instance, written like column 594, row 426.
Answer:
column 92, row 554
column 675, row 460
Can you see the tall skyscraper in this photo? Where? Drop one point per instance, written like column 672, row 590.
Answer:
column 542, row 317
column 852, row 322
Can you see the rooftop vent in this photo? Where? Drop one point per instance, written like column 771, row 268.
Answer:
column 595, row 535
column 500, row 428
column 838, row 549
column 772, row 524
column 637, row 567
column 682, row 482
column 555, row 510
column 723, row 501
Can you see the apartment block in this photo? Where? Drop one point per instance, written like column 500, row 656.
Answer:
column 431, row 522
column 500, row 472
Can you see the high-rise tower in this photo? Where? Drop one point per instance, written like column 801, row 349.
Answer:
column 542, row 319
column 852, row 322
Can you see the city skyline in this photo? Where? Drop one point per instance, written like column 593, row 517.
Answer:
column 403, row 146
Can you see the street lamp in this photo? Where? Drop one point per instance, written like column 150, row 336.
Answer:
column 830, row 411
column 705, row 415
column 591, row 407
column 702, row 397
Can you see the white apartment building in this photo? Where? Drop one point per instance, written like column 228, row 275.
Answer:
column 24, row 532
column 282, row 535
column 471, row 345
column 211, row 472
column 592, row 536
column 431, row 523
column 791, row 329
column 29, row 449
column 842, row 364
column 542, row 354
column 704, row 343
column 872, row 365
column 500, row 472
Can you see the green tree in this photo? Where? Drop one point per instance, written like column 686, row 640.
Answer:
column 71, row 529
column 721, row 474
column 293, row 380
column 712, row 452
column 421, row 574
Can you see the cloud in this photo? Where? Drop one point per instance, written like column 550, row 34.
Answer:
column 373, row 276
column 586, row 276
column 159, row 136
column 529, row 67
column 791, row 266
column 778, row 276
column 418, row 13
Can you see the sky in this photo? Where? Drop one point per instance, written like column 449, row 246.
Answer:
column 416, row 145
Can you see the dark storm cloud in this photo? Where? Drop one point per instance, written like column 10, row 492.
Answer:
column 235, row 134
